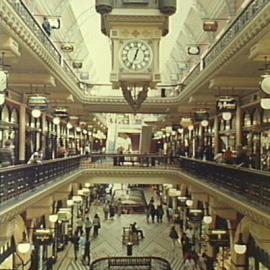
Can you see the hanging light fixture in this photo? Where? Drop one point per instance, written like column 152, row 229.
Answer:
column 207, row 218
column 36, row 113
column 69, row 125
column 24, row 246
column 204, row 123
column 265, row 103
column 265, row 84
column 190, row 127
column 226, row 116
column 240, row 247
column 56, row 120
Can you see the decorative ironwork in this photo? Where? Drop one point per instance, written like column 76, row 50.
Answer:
column 134, row 95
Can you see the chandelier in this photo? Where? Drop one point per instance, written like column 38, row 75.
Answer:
column 134, row 95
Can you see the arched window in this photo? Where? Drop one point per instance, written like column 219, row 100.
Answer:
column 14, row 117
column 256, row 117
column 5, row 114
column 266, row 116
column 247, row 119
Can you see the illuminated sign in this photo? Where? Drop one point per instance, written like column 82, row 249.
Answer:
column 42, row 237
column 226, row 104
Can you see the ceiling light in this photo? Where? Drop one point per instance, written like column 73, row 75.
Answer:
column 190, row 127
column 180, row 130
column 265, row 84
column 78, row 129
column 265, row 103
column 56, row 120
column 77, row 64
column 36, row 113
column 193, row 50
column 24, row 247
column 189, row 202
column 227, row 116
column 53, row 218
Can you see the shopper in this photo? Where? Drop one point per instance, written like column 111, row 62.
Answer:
column 46, row 25
column 88, row 225
column 152, row 211
column 87, row 251
column 189, row 264
column 75, row 241
column 106, row 209
column 111, row 210
column 6, row 155
column 134, row 229
column 173, row 235
column 96, row 224
column 160, row 213
column 79, row 224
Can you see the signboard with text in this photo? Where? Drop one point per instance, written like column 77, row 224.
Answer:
column 226, row 104
column 42, row 237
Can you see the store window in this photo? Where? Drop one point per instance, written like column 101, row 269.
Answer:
column 256, row 117
column 247, row 119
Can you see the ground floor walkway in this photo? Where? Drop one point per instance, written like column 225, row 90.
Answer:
column 109, row 241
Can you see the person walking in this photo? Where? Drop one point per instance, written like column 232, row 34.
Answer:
column 87, row 225
column 106, row 209
column 75, row 241
column 111, row 210
column 173, row 235
column 160, row 213
column 87, row 251
column 96, row 224
column 152, row 212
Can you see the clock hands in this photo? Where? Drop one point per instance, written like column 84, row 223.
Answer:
column 135, row 56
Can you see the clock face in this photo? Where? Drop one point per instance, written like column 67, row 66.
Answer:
column 136, row 55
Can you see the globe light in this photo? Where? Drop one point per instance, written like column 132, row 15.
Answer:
column 265, row 103
column 190, row 127
column 265, row 84
column 69, row 126
column 2, row 99
column 84, row 132
column 70, row 203
column 24, row 247
column 240, row 247
column 77, row 199
column 207, row 219
column 78, row 129
column 180, row 130
column 204, row 123
column 189, row 202
column 56, row 120
column 87, row 185
column 36, row 113
column 226, row 116
column 53, row 218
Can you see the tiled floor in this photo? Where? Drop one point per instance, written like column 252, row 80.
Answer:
column 109, row 240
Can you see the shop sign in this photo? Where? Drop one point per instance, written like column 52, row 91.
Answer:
column 64, row 214
column 38, row 102
column 219, row 240
column 226, row 104
column 42, row 237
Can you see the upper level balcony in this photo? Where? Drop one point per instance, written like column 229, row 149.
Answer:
column 245, row 190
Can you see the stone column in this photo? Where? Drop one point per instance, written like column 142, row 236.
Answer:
column 238, row 126
column 216, row 136
column 22, row 133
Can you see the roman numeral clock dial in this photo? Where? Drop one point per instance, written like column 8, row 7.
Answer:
column 136, row 55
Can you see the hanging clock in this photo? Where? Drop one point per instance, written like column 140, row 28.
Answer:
column 136, row 55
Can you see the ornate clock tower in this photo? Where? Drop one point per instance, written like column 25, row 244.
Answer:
column 135, row 28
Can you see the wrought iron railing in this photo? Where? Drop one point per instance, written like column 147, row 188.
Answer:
column 238, row 24
column 252, row 185
column 31, row 22
column 17, row 180
column 154, row 263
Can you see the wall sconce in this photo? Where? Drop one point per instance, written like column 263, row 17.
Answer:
column 67, row 47
column 210, row 26
column 193, row 50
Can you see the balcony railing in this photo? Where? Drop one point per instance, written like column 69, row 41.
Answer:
column 239, row 23
column 34, row 26
column 251, row 185
column 154, row 263
column 16, row 180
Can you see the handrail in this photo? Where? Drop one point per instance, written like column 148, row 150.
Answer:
column 234, row 28
column 16, row 180
column 22, row 10
column 152, row 259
